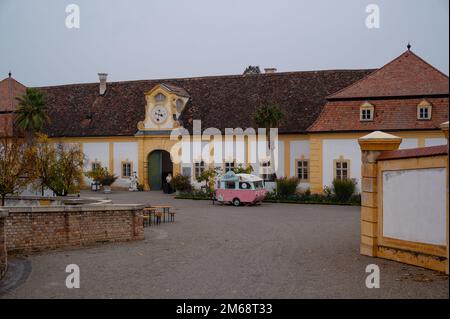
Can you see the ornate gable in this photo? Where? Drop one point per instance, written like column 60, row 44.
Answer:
column 164, row 104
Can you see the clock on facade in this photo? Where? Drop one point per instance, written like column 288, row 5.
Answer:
column 159, row 114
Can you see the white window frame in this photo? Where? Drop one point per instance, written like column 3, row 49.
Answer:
column 300, row 169
column 338, row 172
column 124, row 170
column 95, row 164
column 264, row 168
column 199, row 168
column 421, row 107
column 228, row 166
column 364, row 109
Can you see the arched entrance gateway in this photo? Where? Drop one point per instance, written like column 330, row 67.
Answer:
column 158, row 167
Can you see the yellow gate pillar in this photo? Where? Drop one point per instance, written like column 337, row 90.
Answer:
column 444, row 127
column 371, row 146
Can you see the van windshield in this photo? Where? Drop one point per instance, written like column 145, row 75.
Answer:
column 259, row 184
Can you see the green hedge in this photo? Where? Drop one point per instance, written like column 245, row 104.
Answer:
column 299, row 198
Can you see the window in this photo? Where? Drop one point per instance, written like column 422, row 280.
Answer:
column 199, row 168
column 245, row 185
column 303, row 170
column 95, row 165
column 230, row 185
column 127, row 168
column 342, row 169
column 160, row 97
column 179, row 105
column 186, row 171
column 424, row 110
column 366, row 112
column 229, row 166
column 424, row 113
column 265, row 170
column 259, row 185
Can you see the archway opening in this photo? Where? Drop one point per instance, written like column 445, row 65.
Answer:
column 159, row 166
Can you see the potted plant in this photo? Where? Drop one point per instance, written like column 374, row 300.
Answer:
column 181, row 183
column 101, row 176
column 107, row 180
column 95, row 174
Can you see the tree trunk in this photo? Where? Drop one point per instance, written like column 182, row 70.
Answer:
column 3, row 199
column 272, row 155
column 29, row 138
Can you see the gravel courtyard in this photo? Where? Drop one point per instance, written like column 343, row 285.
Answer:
column 269, row 251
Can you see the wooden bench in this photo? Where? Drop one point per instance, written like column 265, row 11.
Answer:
column 147, row 216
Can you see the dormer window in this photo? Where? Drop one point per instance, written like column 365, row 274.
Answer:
column 366, row 112
column 424, row 110
column 160, row 97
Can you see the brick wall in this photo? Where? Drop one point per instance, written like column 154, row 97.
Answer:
column 30, row 229
column 3, row 260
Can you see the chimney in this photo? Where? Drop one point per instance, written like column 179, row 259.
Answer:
column 102, row 77
column 270, row 70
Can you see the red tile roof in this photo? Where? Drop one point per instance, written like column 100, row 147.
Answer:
column 394, row 90
column 9, row 90
column 414, row 152
column 407, row 75
column 389, row 115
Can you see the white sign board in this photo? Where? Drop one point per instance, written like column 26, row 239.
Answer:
column 414, row 205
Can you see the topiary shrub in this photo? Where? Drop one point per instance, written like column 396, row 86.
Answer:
column 343, row 189
column 181, row 183
column 287, row 187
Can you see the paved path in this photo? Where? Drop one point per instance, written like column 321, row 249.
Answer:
column 271, row 251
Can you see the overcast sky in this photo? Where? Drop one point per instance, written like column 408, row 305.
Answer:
column 133, row 39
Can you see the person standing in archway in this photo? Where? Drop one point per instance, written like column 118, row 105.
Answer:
column 169, row 185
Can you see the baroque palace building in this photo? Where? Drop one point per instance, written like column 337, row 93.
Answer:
column 126, row 126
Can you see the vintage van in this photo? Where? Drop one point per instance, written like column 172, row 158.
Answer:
column 240, row 189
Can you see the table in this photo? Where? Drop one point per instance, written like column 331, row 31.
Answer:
column 165, row 210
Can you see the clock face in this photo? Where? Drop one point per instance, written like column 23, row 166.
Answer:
column 159, row 114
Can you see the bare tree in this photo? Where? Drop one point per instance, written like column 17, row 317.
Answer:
column 59, row 166
column 16, row 166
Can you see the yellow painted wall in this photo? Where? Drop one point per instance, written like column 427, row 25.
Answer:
column 149, row 143
column 316, row 154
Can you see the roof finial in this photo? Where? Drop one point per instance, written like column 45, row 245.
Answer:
column 9, row 74
column 409, row 46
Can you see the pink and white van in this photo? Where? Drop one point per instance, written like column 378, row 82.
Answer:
column 240, row 188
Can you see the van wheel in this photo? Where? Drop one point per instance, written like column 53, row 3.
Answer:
column 236, row 202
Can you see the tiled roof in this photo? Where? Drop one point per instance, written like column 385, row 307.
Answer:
column 414, row 152
column 176, row 89
column 9, row 90
column 389, row 114
column 219, row 101
column 407, row 75
column 394, row 90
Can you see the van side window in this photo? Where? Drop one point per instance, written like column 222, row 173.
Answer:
column 230, row 185
column 244, row 185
